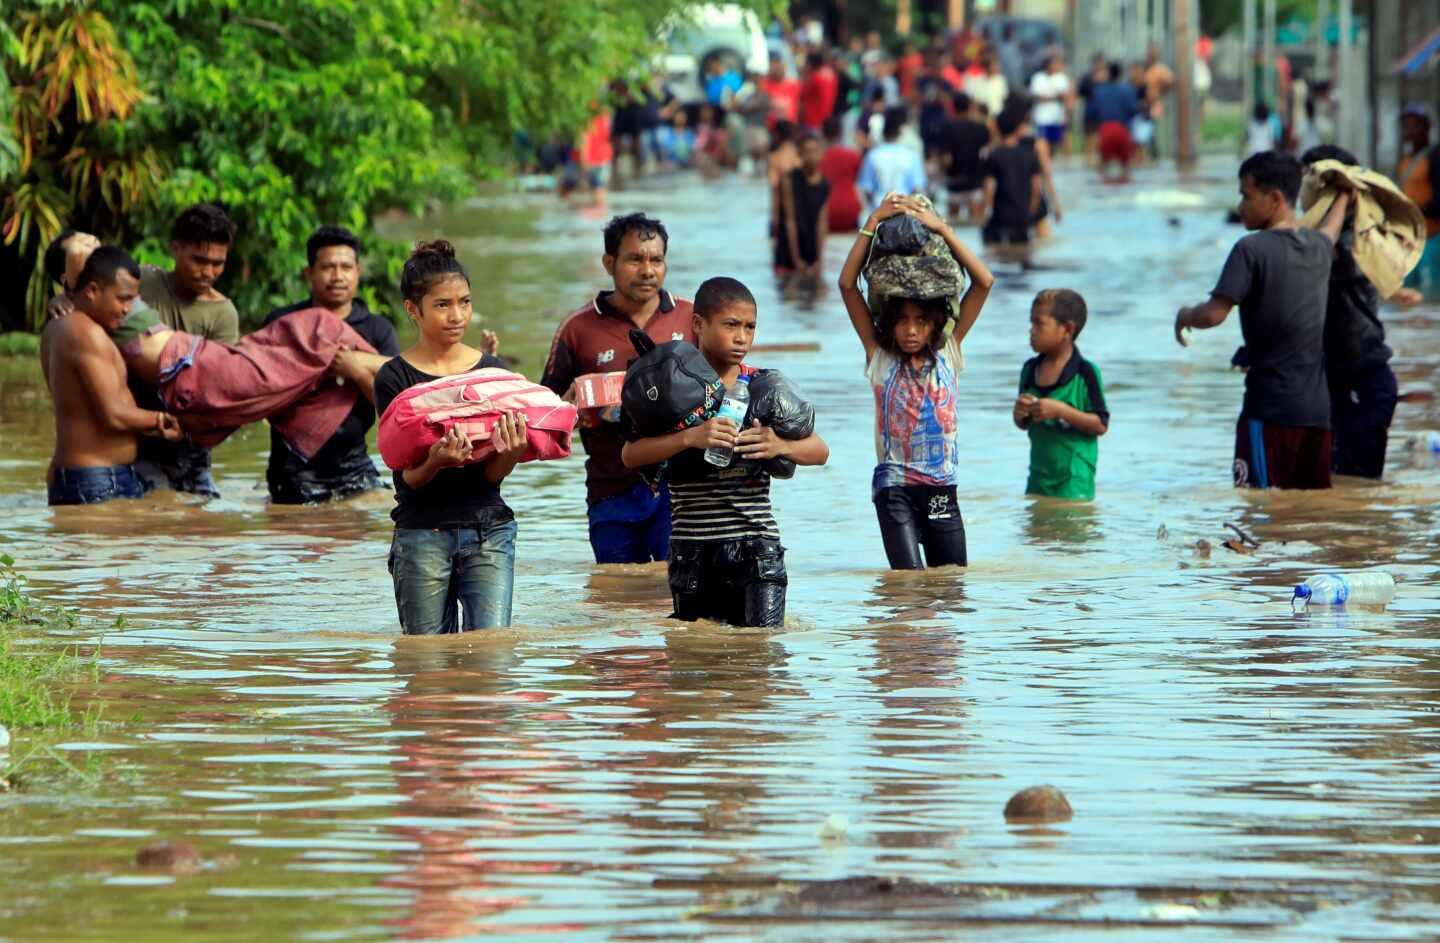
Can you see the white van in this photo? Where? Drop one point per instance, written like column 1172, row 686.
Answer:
column 710, row 31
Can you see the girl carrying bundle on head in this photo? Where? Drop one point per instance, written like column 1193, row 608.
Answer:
column 454, row 544
column 913, row 363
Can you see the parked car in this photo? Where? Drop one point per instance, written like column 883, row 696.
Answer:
column 1037, row 39
column 715, row 30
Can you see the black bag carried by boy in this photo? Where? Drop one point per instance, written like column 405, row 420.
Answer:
column 775, row 403
column 669, row 387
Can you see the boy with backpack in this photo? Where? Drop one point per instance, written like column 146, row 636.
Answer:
column 726, row 561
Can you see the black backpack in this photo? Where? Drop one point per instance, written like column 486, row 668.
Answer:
column 669, row 387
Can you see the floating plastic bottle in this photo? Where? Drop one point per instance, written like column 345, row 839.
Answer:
column 736, row 405
column 1370, row 588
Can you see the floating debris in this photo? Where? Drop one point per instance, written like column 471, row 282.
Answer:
column 1038, row 804
column 179, row 857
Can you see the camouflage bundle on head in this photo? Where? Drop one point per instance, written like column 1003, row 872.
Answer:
column 931, row 275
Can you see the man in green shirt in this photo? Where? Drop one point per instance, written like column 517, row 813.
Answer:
column 1061, row 403
column 186, row 299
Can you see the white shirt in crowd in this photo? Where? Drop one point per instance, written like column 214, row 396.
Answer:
column 990, row 90
column 1050, row 85
column 1259, row 136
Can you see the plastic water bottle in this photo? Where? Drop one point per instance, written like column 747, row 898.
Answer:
column 736, row 405
column 1371, row 588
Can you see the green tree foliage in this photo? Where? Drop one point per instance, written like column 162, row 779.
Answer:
column 67, row 87
column 293, row 113
column 1221, row 16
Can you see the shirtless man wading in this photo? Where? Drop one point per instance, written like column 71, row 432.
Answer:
column 97, row 424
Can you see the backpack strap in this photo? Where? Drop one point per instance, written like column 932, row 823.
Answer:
column 643, row 342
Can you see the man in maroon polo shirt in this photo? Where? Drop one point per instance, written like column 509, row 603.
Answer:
column 629, row 520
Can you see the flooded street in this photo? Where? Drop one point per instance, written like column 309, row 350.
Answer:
column 596, row 773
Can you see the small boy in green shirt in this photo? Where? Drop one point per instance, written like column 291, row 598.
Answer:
column 1061, row 402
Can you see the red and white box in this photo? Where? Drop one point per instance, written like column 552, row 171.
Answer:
column 598, row 390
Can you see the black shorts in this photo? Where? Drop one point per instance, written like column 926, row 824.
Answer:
column 998, row 234
column 964, row 182
column 742, row 582
column 916, row 516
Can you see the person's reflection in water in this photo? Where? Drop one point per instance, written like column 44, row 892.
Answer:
column 631, row 586
column 1057, row 521
column 460, row 707
column 919, row 738
column 919, row 595
column 703, row 699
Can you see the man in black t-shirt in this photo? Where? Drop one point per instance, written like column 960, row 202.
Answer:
column 962, row 142
column 343, row 466
column 1279, row 277
column 1012, row 181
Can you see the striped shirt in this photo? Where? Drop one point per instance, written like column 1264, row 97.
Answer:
column 728, row 504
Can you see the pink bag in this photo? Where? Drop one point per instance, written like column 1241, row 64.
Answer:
column 473, row 403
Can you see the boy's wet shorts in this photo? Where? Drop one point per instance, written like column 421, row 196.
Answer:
column 1272, row 456
column 742, row 582
column 94, row 485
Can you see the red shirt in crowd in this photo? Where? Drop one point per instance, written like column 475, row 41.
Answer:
column 596, row 149
column 784, row 99
column 908, row 69
column 817, row 96
column 840, row 167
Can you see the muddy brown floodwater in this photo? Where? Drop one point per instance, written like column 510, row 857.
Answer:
column 597, row 773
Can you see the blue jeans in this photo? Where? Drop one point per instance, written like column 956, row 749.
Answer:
column 633, row 527
column 176, row 466
column 94, row 485
column 437, row 572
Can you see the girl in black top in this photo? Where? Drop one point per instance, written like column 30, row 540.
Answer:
column 454, row 545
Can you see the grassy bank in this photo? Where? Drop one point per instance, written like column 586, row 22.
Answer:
column 19, row 344
column 37, row 680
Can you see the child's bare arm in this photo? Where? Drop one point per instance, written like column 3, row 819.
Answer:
column 822, row 232
column 811, row 450
column 1088, row 423
column 855, row 304
column 1021, row 412
column 656, row 449
column 759, row 443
